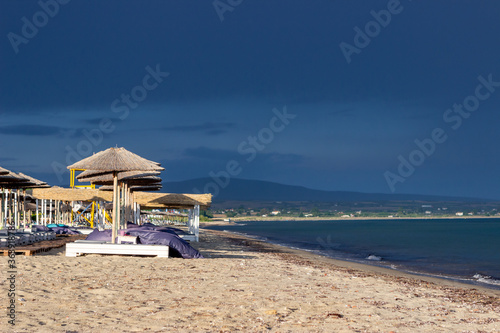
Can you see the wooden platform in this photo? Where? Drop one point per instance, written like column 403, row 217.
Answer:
column 82, row 247
column 189, row 237
column 42, row 246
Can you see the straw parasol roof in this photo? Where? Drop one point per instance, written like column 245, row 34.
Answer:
column 106, row 188
column 149, row 180
column 166, row 200
column 150, row 187
column 11, row 177
column 146, row 212
column 116, row 160
column 13, row 180
column 71, row 194
column 20, row 180
column 128, row 177
column 33, row 181
column 3, row 171
column 144, row 187
column 91, row 175
column 145, row 199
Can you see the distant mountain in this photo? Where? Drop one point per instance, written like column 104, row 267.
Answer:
column 257, row 190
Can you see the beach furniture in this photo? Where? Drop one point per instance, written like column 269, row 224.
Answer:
column 4, row 240
column 97, row 247
column 25, row 238
column 189, row 237
column 21, row 236
column 127, row 239
column 84, row 231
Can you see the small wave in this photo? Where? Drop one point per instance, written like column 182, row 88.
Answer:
column 374, row 257
column 486, row 279
column 261, row 238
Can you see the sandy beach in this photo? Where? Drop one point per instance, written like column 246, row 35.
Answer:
column 242, row 285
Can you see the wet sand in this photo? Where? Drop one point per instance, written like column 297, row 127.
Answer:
column 242, row 285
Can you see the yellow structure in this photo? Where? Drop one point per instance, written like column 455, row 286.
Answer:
column 73, row 179
column 92, row 186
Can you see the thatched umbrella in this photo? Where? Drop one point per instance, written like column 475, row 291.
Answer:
column 93, row 175
column 133, row 188
column 136, row 188
column 132, row 182
column 9, row 182
column 10, row 178
column 127, row 179
column 29, row 183
column 115, row 160
column 128, row 176
column 89, row 175
column 3, row 171
column 33, row 182
column 127, row 186
column 150, row 187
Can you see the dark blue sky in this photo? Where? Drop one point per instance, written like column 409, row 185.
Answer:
column 67, row 69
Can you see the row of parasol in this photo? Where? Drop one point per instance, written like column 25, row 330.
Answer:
column 115, row 169
column 12, row 180
column 13, row 187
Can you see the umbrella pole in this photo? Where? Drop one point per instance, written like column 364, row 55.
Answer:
column 10, row 209
column 44, row 212
column 24, row 208
column 2, row 221
column 50, row 211
column 127, row 205
column 115, row 207
column 119, row 210
column 14, row 204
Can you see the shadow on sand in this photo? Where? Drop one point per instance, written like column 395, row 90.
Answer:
column 219, row 244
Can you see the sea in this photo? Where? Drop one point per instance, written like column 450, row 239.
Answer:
column 464, row 250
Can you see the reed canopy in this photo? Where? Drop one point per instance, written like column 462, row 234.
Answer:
column 146, row 199
column 33, row 182
column 3, row 171
column 96, row 175
column 130, row 177
column 12, row 177
column 114, row 161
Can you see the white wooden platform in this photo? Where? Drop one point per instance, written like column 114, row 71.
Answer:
column 189, row 238
column 79, row 248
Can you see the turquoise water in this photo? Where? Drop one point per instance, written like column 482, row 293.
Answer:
column 467, row 250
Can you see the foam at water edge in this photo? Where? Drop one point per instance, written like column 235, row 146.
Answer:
column 374, row 257
column 261, row 238
column 486, row 279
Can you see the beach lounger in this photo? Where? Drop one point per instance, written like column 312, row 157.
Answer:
column 95, row 247
column 4, row 241
column 25, row 238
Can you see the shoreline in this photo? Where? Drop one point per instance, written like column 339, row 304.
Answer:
column 428, row 277
column 314, row 258
column 287, row 218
